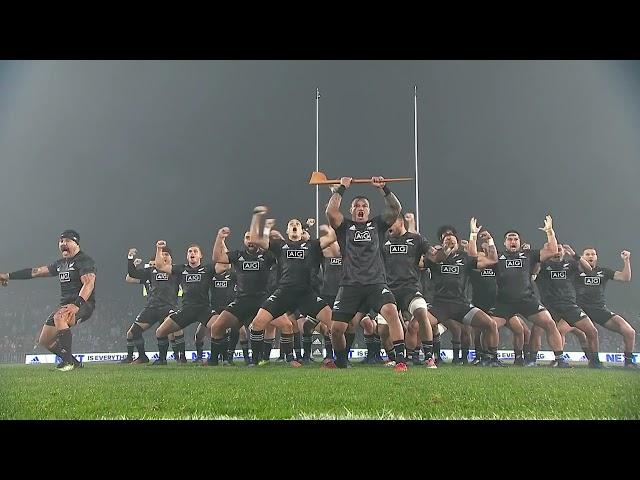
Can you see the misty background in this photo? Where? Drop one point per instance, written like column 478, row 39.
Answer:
column 129, row 152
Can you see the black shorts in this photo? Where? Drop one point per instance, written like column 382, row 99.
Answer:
column 245, row 308
column 290, row 299
column 350, row 300
column 218, row 309
column 599, row 315
column 525, row 308
column 330, row 299
column 151, row 315
column 86, row 310
column 453, row 311
column 569, row 313
column 188, row 315
column 404, row 297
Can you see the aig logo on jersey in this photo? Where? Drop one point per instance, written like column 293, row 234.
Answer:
column 398, row 249
column 295, row 254
column 487, row 272
column 162, row 276
column 362, row 236
column 587, row 280
column 250, row 266
column 220, row 284
column 450, row 269
column 558, row 275
column 194, row 277
column 336, row 261
column 64, row 277
column 517, row 263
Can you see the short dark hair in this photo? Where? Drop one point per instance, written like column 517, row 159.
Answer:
column 194, row 245
column 512, row 231
column 358, row 197
column 447, row 228
column 590, row 248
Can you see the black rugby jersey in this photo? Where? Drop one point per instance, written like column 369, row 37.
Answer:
column 162, row 288
column 331, row 275
column 555, row 282
column 483, row 286
column 402, row 258
column 299, row 261
column 222, row 289
column 590, row 287
column 195, row 283
column 513, row 275
column 252, row 270
column 450, row 277
column 361, row 248
column 69, row 271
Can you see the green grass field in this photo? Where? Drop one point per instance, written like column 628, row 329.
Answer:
column 108, row 391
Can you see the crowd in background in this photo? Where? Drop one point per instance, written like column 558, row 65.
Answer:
column 21, row 320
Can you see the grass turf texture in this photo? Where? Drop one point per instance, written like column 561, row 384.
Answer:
column 110, row 391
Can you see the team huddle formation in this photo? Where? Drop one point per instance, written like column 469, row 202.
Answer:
column 362, row 271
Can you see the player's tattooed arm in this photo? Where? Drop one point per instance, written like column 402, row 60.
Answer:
column 24, row 274
column 334, row 215
column 392, row 204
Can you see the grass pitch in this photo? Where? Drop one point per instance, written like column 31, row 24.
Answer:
column 111, row 391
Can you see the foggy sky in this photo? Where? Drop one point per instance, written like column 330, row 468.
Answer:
column 129, row 152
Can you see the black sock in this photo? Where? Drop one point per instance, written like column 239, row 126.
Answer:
column 456, row 349
column 234, row 336
column 266, row 348
column 244, row 344
column 377, row 344
column 63, row 345
column 492, row 353
column 518, row 354
column 217, row 346
column 368, row 341
column 180, row 346
column 350, row 337
column 163, row 346
column 176, row 353
column 427, row 348
column 139, row 344
column 297, row 344
column 465, row 355
column 558, row 354
column 628, row 358
column 307, row 341
column 414, row 354
column 436, row 348
column 341, row 358
column 199, row 348
column 130, row 348
column 328, row 346
column 587, row 352
column 286, row 346
column 398, row 347
column 391, row 355
column 257, row 343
